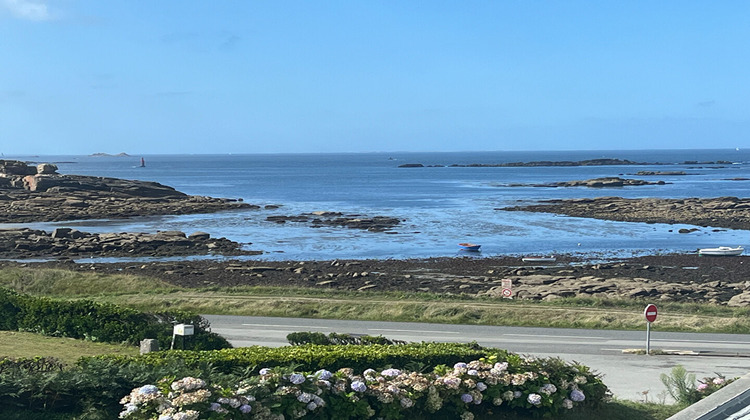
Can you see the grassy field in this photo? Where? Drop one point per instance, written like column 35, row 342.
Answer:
column 152, row 294
column 22, row 344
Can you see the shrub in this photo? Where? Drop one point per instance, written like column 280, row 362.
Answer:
column 85, row 319
column 682, row 387
column 34, row 364
column 478, row 387
column 313, row 357
column 10, row 306
column 300, row 338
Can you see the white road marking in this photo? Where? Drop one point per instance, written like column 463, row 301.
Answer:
column 414, row 331
column 558, row 336
column 702, row 341
column 285, row 326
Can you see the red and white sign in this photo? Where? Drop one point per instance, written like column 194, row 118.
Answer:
column 507, row 285
column 650, row 313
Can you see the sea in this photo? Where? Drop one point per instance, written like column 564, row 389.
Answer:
column 440, row 205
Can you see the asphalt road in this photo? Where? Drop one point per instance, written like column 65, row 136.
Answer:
column 629, row 376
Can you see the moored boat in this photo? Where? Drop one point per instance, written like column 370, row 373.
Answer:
column 722, row 251
column 466, row 246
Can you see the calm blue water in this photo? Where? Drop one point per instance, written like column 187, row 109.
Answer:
column 441, row 206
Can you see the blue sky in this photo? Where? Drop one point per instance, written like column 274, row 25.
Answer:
column 142, row 77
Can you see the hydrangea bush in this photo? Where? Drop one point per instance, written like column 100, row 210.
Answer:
column 542, row 387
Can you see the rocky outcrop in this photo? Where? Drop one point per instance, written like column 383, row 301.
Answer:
column 665, row 173
column 39, row 194
column 588, row 162
column 72, row 243
column 336, row 219
column 606, row 182
column 725, row 212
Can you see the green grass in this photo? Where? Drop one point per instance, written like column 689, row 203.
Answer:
column 22, row 344
column 68, row 283
column 151, row 294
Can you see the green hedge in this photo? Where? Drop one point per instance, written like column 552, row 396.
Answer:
column 300, row 338
column 85, row 319
column 314, row 357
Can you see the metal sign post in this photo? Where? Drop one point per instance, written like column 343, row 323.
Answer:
column 650, row 313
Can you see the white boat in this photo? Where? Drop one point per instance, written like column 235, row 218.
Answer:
column 722, row 251
column 539, row 259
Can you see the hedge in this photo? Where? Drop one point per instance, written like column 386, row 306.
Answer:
column 300, row 338
column 86, row 319
column 314, row 357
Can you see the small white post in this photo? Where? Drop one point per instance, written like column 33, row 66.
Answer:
column 648, row 338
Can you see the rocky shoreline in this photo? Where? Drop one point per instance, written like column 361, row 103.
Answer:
column 337, row 219
column 661, row 278
column 721, row 212
column 67, row 243
column 40, row 194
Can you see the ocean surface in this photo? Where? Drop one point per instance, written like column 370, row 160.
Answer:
column 439, row 206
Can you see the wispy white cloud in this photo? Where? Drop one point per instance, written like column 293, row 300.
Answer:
column 27, row 9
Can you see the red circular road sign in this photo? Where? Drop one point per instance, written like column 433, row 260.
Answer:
column 650, row 313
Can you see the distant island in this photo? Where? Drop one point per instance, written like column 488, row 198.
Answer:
column 589, row 162
column 123, row 154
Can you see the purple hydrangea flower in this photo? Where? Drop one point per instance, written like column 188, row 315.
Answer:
column 358, row 386
column 265, row 371
column 305, row 397
column 548, row 389
column 148, row 390
column 296, row 378
column 452, row 381
column 460, row 365
column 391, row 373
column 577, row 395
column 214, row 407
column 467, row 398
column 323, row 374
column 245, row 408
column 481, row 386
column 472, row 372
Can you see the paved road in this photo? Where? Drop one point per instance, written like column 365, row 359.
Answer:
column 634, row 377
